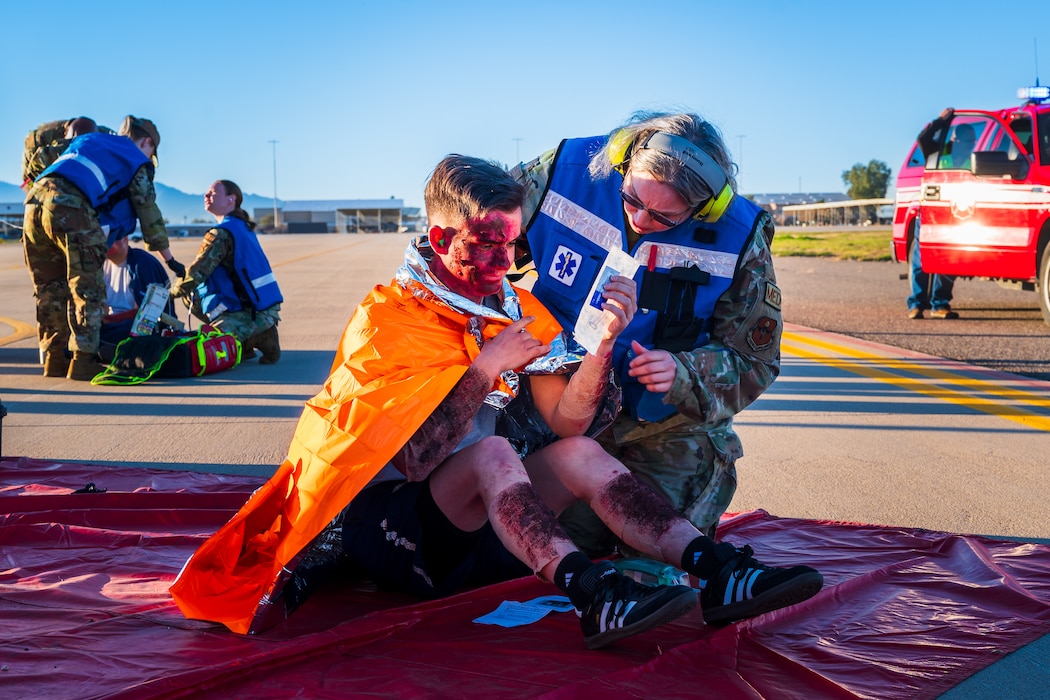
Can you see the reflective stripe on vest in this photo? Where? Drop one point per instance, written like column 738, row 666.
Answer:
column 668, row 255
column 583, row 222
column 83, row 160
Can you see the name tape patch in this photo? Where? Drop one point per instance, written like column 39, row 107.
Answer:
column 772, row 296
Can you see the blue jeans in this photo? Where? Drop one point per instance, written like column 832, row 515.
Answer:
column 927, row 291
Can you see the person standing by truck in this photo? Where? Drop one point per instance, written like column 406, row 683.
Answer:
column 934, row 292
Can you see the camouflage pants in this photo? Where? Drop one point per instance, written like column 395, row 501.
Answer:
column 694, row 468
column 244, row 323
column 64, row 250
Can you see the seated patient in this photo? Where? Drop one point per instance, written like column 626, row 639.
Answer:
column 402, row 450
column 128, row 273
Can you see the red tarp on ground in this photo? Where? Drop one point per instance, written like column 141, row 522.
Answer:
column 84, row 613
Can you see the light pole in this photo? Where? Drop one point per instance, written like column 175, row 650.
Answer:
column 517, row 147
column 273, row 143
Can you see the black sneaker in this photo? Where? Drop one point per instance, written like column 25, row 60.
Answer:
column 745, row 587
column 621, row 607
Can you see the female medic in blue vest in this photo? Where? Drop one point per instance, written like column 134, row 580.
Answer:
column 236, row 290
column 706, row 340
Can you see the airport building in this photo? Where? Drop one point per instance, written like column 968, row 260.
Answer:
column 343, row 216
column 824, row 209
column 392, row 216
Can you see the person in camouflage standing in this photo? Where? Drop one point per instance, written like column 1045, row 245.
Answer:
column 231, row 283
column 99, row 175
column 706, row 340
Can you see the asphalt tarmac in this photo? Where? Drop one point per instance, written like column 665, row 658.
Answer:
column 998, row 328
column 824, row 442
column 868, row 423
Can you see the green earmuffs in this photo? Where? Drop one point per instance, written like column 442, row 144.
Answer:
column 621, row 145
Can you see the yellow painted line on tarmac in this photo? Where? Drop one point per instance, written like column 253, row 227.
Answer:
column 984, row 386
column 21, row 331
column 965, row 397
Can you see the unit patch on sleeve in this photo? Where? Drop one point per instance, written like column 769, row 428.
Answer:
column 773, row 295
column 761, row 335
column 565, row 265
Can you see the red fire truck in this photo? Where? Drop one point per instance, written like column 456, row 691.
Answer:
column 986, row 215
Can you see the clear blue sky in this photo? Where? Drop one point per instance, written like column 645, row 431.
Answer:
column 364, row 98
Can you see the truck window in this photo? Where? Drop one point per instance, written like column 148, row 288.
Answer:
column 963, row 137
column 915, row 158
column 1004, row 140
column 1043, row 133
column 1022, row 128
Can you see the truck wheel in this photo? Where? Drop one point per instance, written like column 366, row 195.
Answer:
column 1042, row 287
column 911, row 268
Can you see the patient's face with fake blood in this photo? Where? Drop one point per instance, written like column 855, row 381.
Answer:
column 477, row 253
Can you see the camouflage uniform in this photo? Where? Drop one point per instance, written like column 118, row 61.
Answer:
column 43, row 146
column 690, row 457
column 64, row 250
column 217, row 249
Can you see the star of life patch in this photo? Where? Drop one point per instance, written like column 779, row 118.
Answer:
column 565, row 265
column 772, row 296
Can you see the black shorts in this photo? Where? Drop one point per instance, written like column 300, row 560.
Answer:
column 395, row 535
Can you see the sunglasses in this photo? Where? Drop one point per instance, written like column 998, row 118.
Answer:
column 662, row 219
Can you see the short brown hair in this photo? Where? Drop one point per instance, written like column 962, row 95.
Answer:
column 463, row 188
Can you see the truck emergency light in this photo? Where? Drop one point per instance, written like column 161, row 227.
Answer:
column 1034, row 93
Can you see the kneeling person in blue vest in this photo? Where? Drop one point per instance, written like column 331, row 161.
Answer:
column 230, row 284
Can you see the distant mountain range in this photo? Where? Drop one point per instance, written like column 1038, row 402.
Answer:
column 177, row 206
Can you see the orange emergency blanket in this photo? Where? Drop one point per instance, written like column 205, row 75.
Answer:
column 399, row 356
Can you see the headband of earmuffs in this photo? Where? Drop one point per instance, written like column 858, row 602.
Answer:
column 621, row 146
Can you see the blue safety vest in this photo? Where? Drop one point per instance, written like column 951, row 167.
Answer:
column 117, row 219
column 579, row 220
column 219, row 293
column 100, row 165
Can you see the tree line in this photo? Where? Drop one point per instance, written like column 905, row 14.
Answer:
column 869, row 181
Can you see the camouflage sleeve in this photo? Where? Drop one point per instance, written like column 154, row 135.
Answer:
column 742, row 358
column 216, row 247
column 534, row 175
column 144, row 201
column 42, row 146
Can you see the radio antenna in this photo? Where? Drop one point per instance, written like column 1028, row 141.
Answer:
column 1035, row 50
